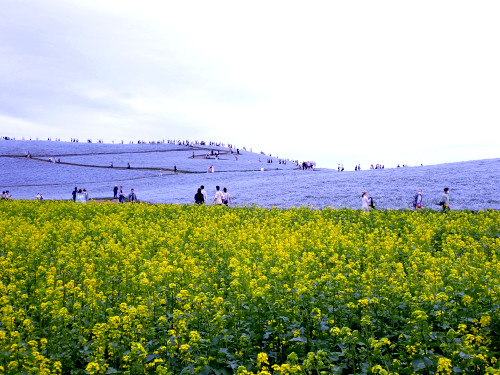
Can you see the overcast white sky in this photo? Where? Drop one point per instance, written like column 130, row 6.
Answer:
column 331, row 81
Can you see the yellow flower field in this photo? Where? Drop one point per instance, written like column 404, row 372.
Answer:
column 139, row 289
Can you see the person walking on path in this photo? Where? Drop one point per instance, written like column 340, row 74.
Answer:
column 226, row 198
column 218, row 196
column 417, row 201
column 115, row 192
column 132, row 197
column 445, row 200
column 198, row 197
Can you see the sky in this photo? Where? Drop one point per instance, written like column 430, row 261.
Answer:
column 351, row 82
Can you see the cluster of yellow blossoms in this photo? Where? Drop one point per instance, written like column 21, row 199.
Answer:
column 139, row 289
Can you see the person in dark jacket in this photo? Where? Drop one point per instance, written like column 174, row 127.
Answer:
column 132, row 197
column 115, row 192
column 198, row 197
column 121, row 195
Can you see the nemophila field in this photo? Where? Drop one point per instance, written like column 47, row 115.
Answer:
column 474, row 185
column 157, row 288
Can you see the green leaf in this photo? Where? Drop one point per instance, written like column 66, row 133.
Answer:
column 418, row 364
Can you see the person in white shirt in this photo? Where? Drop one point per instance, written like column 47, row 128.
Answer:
column 218, row 196
column 365, row 201
column 205, row 200
column 226, row 198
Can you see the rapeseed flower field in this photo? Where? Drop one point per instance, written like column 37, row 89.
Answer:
column 170, row 289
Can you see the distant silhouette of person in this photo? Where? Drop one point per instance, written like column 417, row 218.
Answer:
column 128, row 165
column 198, row 197
column 115, row 192
column 111, row 165
column 74, row 194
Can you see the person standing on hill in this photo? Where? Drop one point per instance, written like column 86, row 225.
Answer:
column 218, row 196
column 205, row 199
column 121, row 195
column 198, row 197
column 226, row 198
column 132, row 197
column 366, row 202
column 74, row 194
column 417, row 201
column 445, row 199
column 115, row 192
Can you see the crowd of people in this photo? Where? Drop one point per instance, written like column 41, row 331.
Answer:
column 119, row 194
column 367, row 202
column 224, row 198
column 80, row 195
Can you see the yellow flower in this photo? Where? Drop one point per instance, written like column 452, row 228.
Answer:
column 262, row 359
column 444, row 366
column 92, row 368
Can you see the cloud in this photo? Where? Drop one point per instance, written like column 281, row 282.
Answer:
column 337, row 82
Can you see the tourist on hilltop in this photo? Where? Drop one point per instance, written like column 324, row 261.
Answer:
column 115, row 192
column 445, row 200
column 205, row 200
column 74, row 194
column 132, row 197
column 218, row 196
column 121, row 195
column 226, row 198
column 198, row 197
column 417, row 200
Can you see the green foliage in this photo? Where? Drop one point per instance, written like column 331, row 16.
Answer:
column 137, row 289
